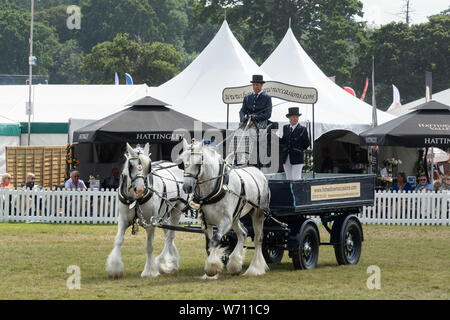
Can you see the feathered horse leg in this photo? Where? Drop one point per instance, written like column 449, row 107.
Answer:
column 168, row 260
column 214, row 264
column 114, row 264
column 258, row 265
column 234, row 265
column 150, row 269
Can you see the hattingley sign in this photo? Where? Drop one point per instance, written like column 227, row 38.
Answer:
column 274, row 89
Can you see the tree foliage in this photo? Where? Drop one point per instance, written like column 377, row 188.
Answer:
column 148, row 63
column 402, row 55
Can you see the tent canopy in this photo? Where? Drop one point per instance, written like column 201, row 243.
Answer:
column 426, row 126
column 442, row 97
column 197, row 90
column 59, row 103
column 335, row 109
column 140, row 124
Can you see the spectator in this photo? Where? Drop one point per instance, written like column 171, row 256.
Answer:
column 112, row 182
column 6, row 181
column 75, row 182
column 402, row 184
column 423, row 184
column 29, row 182
column 446, row 183
column 438, row 186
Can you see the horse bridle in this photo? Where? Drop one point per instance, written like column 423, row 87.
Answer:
column 139, row 167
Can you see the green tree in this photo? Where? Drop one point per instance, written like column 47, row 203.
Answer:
column 402, row 55
column 102, row 20
column 14, row 39
column 67, row 64
column 148, row 63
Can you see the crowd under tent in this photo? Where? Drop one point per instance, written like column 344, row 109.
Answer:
column 100, row 145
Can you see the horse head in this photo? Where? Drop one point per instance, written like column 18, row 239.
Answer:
column 136, row 170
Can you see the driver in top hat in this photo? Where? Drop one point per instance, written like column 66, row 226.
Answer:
column 257, row 105
column 295, row 140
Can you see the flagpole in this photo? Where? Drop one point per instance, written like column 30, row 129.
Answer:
column 30, row 62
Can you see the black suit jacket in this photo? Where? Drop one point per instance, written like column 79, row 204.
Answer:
column 294, row 144
column 261, row 106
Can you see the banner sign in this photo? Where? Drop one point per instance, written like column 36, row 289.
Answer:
column 336, row 191
column 274, row 89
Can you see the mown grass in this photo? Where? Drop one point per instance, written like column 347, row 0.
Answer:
column 414, row 263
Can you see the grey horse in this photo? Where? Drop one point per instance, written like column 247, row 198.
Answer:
column 144, row 196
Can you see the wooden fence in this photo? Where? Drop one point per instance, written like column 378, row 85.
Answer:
column 408, row 208
column 93, row 206
column 46, row 162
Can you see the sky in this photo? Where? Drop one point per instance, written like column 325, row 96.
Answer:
column 384, row 11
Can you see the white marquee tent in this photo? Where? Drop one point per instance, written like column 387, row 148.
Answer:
column 197, row 90
column 335, row 109
column 55, row 107
column 58, row 104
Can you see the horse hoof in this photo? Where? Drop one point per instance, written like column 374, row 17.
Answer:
column 206, row 277
column 149, row 274
column 116, row 276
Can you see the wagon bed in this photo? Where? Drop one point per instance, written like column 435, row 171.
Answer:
column 320, row 194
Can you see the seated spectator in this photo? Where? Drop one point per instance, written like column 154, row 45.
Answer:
column 423, row 184
column 112, row 182
column 6, row 181
column 29, row 182
column 438, row 186
column 446, row 183
column 402, row 184
column 75, row 182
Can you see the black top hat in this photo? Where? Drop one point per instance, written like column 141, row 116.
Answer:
column 293, row 112
column 257, row 78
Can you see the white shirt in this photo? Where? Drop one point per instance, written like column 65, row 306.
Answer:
column 295, row 126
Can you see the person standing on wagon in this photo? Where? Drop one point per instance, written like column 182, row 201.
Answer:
column 295, row 140
column 257, row 105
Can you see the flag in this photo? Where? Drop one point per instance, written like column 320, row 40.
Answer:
column 374, row 102
column 116, row 78
column 350, row 90
column 128, row 78
column 428, row 85
column 363, row 96
column 395, row 97
column 373, row 151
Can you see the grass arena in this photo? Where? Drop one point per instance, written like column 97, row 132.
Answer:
column 37, row 262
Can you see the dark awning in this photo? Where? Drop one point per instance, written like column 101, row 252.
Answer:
column 140, row 124
column 428, row 125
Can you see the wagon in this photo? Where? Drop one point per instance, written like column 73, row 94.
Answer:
column 335, row 199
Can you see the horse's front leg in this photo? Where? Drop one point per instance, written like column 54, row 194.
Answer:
column 214, row 264
column 168, row 260
column 114, row 264
column 234, row 265
column 150, row 269
column 258, row 265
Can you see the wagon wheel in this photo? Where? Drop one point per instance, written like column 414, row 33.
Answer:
column 271, row 249
column 228, row 241
column 307, row 254
column 348, row 251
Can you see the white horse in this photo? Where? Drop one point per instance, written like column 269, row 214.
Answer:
column 224, row 195
column 142, row 194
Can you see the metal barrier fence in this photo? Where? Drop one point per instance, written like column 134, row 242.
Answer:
column 101, row 206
